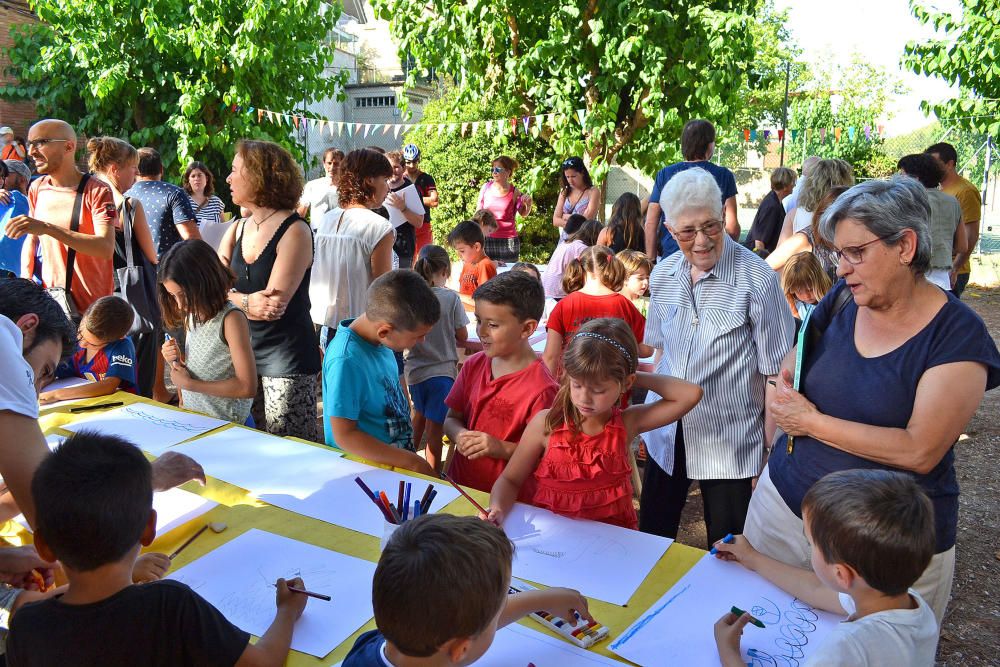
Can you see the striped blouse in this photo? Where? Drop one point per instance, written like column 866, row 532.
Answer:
column 726, row 333
column 210, row 212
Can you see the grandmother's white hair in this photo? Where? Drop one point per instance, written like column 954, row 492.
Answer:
column 691, row 189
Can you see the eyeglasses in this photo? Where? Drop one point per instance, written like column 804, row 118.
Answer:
column 498, row 170
column 854, row 254
column 38, row 143
column 708, row 228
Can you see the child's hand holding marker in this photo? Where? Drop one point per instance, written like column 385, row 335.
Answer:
column 566, row 603
column 171, row 352
column 728, row 631
column 736, row 548
column 288, row 600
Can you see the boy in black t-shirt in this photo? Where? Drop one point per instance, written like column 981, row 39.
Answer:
column 94, row 510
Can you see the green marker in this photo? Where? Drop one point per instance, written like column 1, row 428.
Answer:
column 740, row 612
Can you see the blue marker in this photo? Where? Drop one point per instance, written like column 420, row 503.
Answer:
column 728, row 539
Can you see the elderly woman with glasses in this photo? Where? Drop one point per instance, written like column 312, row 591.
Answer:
column 505, row 202
column 721, row 320
column 893, row 369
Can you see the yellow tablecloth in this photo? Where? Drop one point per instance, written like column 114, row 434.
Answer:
column 241, row 513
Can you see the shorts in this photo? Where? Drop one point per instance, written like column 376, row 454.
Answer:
column 428, row 397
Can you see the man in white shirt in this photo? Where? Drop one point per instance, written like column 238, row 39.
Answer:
column 320, row 194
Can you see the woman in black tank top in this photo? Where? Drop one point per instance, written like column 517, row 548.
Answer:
column 270, row 252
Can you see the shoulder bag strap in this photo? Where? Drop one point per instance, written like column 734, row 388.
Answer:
column 74, row 226
column 128, row 215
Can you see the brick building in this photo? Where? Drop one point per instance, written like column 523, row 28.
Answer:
column 18, row 115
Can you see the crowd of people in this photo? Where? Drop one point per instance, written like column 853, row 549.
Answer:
column 813, row 379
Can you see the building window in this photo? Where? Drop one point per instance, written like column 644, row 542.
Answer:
column 376, row 101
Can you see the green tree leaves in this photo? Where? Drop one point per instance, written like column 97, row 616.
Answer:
column 966, row 53
column 175, row 74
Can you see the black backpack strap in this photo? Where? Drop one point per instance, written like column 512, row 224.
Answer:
column 74, row 226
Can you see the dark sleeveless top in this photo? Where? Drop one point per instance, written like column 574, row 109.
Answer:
column 287, row 346
column 618, row 241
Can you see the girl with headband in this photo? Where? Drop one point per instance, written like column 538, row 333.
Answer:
column 574, row 456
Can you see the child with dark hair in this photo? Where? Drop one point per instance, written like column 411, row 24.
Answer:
column 431, row 366
column 94, row 511
column 365, row 411
column 500, row 389
column 104, row 353
column 467, row 239
column 575, row 455
column 460, row 567
column 530, row 269
column 217, row 374
column 872, row 536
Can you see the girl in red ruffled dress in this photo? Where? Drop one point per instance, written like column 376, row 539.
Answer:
column 576, row 453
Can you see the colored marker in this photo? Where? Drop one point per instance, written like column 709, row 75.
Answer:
column 740, row 612
column 728, row 539
column 426, row 507
column 467, row 496
column 406, row 502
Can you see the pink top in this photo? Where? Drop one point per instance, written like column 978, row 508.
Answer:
column 588, row 476
column 561, row 258
column 503, row 207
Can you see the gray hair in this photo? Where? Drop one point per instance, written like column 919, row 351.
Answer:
column 690, row 189
column 886, row 209
column 822, row 176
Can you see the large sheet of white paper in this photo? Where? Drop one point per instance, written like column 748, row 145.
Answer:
column 152, row 428
column 601, row 561
column 307, row 480
column 516, row 645
column 237, row 578
column 174, row 508
column 63, row 383
column 263, row 463
column 677, row 629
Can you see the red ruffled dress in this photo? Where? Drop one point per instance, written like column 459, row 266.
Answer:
column 588, row 476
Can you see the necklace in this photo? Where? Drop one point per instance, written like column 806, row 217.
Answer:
column 258, row 224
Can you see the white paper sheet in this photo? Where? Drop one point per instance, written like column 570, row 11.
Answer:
column 303, row 479
column 63, row 383
column 262, row 463
column 677, row 629
column 237, row 578
column 174, row 508
column 152, row 428
column 516, row 645
column 601, row 561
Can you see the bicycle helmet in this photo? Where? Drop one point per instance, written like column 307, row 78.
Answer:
column 411, row 152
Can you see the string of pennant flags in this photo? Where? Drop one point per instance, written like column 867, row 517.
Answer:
column 810, row 134
column 334, row 128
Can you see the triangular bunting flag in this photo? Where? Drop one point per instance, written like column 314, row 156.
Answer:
column 500, row 127
column 753, row 135
column 746, row 135
column 881, row 130
column 868, row 132
column 386, row 128
column 465, row 128
column 357, row 127
column 836, row 133
column 441, row 128
column 781, row 135
column 295, row 119
column 475, row 127
column 350, row 129
column 582, row 115
column 260, row 114
column 526, row 121
column 395, row 130
column 452, row 127
column 850, row 133
column 340, row 127
column 368, row 129
column 795, row 135
column 822, row 134
column 767, row 135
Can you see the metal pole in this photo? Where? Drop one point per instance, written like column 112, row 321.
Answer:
column 784, row 118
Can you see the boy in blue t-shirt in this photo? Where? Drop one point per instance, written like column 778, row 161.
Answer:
column 104, row 354
column 365, row 411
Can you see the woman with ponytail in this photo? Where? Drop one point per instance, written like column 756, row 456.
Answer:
column 592, row 282
column 116, row 162
column 576, row 453
column 431, row 365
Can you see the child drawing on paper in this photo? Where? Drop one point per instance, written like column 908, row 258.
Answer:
column 577, row 452
column 872, row 536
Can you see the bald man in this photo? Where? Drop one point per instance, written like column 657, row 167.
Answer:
column 52, row 145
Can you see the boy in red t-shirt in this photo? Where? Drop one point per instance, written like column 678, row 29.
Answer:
column 467, row 239
column 500, row 389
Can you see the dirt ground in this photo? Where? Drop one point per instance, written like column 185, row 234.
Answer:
column 970, row 634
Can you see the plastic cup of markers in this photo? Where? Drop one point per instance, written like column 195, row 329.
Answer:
column 387, row 530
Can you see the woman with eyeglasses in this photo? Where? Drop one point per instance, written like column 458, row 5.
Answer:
column 894, row 369
column 271, row 253
column 505, row 202
column 577, row 194
column 721, row 320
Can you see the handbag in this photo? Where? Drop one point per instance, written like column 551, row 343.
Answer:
column 137, row 281
column 63, row 295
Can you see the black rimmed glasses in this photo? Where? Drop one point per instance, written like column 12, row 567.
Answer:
column 855, row 254
column 708, row 228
